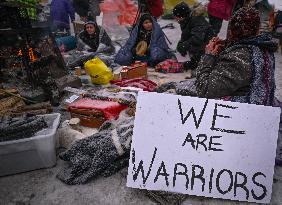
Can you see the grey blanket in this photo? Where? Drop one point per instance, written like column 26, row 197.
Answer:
column 103, row 153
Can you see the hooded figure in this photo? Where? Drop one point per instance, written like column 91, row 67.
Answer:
column 94, row 39
column 196, row 32
column 146, row 43
column 244, row 70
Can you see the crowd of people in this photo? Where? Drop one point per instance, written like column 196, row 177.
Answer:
column 238, row 68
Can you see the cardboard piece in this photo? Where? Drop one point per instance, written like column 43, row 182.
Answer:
column 203, row 147
column 92, row 113
column 136, row 70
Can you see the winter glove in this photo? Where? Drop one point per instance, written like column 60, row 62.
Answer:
column 181, row 49
column 189, row 65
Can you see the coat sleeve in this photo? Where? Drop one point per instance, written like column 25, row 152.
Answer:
column 159, row 50
column 222, row 77
column 107, row 44
column 197, row 40
column 125, row 55
column 81, row 46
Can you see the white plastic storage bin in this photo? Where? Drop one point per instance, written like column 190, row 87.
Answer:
column 31, row 153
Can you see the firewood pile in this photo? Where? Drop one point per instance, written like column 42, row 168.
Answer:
column 12, row 104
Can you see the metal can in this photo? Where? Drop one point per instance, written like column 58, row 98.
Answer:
column 77, row 70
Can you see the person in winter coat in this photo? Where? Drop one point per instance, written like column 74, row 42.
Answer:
column 218, row 11
column 196, row 33
column 146, row 43
column 81, row 7
column 94, row 39
column 88, row 10
column 61, row 11
column 92, row 42
column 241, row 68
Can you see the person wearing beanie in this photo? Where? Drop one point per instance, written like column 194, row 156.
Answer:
column 146, row 43
column 240, row 68
column 91, row 38
column 196, row 33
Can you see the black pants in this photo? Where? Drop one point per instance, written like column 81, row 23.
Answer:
column 193, row 63
column 216, row 24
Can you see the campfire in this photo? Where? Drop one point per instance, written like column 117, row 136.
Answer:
column 29, row 56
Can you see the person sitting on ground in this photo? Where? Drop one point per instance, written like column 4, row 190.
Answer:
column 94, row 39
column 241, row 68
column 146, row 43
column 92, row 42
column 196, row 33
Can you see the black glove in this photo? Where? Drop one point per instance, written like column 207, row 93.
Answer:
column 181, row 49
column 190, row 65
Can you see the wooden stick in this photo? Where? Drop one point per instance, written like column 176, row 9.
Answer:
column 25, row 99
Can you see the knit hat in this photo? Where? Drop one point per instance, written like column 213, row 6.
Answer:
column 181, row 10
column 243, row 24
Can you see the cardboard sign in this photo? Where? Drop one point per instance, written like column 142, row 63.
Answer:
column 204, row 147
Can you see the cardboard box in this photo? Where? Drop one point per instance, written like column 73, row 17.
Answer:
column 88, row 117
column 136, row 70
column 93, row 113
column 88, row 120
column 78, row 27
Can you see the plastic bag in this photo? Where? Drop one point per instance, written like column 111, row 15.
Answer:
column 98, row 71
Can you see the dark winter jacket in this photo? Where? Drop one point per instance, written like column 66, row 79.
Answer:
column 61, row 11
column 243, row 72
column 81, row 7
column 100, row 42
column 87, row 7
column 196, row 32
column 158, row 51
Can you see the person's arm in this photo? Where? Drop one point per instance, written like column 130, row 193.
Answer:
column 81, row 46
column 106, row 45
column 195, row 42
column 223, row 75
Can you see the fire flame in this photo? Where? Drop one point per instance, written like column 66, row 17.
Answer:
column 31, row 55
